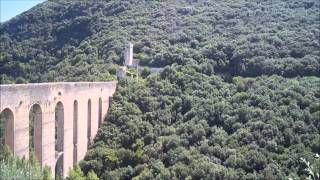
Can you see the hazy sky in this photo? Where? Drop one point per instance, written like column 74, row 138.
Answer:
column 11, row 8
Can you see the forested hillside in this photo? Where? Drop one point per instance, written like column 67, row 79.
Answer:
column 183, row 124
column 238, row 97
column 63, row 40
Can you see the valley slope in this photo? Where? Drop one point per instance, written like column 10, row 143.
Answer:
column 238, row 97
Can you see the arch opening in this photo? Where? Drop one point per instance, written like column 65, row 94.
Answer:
column 35, row 132
column 75, row 132
column 89, row 124
column 100, row 112
column 59, row 136
column 7, row 128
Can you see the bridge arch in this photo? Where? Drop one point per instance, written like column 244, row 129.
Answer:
column 59, row 138
column 35, row 131
column 7, row 128
column 75, row 132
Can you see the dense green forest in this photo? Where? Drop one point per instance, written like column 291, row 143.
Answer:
column 183, row 124
column 75, row 40
column 238, row 98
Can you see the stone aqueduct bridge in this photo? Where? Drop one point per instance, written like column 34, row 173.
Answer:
column 66, row 119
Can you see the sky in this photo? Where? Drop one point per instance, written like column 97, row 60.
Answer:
column 11, row 8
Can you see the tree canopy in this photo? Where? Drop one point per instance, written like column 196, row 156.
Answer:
column 65, row 40
column 238, row 96
column 182, row 123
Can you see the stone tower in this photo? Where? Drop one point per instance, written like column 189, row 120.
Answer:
column 128, row 54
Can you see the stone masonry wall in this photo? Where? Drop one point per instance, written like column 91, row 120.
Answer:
column 19, row 99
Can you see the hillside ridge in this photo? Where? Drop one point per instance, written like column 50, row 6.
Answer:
column 78, row 40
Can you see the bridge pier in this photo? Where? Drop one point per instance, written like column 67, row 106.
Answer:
column 21, row 130
column 68, row 134
column 48, row 139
